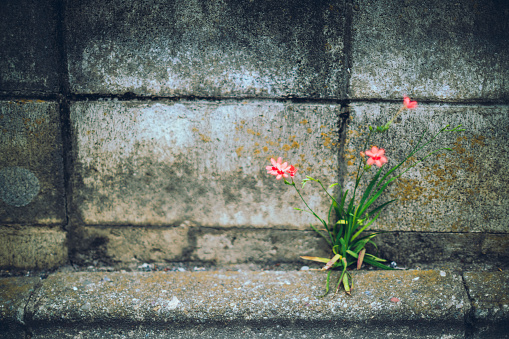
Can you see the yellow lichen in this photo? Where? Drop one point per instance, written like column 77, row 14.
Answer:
column 239, row 151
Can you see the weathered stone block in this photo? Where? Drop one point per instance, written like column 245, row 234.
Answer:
column 489, row 292
column 14, row 296
column 32, row 247
column 199, row 163
column 28, row 47
column 244, row 246
column 128, row 245
column 31, row 165
column 438, row 50
column 458, row 251
column 465, row 190
column 258, row 299
column 207, row 48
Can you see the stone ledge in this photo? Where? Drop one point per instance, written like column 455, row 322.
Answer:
column 421, row 303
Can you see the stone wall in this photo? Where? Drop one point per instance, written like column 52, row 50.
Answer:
column 139, row 131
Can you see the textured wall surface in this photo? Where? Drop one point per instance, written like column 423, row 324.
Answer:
column 463, row 190
column 29, row 56
column 138, row 131
column 436, row 50
column 31, row 169
column 244, row 48
column 198, row 163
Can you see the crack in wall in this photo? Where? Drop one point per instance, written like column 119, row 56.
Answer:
column 470, row 316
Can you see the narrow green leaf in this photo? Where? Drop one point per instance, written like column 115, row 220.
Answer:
column 376, row 209
column 375, row 258
column 323, row 235
column 368, row 190
column 365, row 226
column 353, row 254
column 326, row 285
column 346, row 285
column 377, row 264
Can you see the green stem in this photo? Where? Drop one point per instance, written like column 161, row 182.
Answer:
column 305, row 203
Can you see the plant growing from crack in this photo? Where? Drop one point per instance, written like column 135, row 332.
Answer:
column 345, row 236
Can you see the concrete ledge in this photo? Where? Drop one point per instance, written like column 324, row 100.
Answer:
column 489, row 292
column 423, row 304
column 14, row 296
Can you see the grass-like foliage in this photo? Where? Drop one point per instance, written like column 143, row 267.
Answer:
column 351, row 213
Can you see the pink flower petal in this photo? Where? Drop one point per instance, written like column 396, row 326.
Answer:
column 409, row 104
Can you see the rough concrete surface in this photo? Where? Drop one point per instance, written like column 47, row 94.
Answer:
column 489, row 292
column 26, row 247
column 246, row 304
column 180, row 301
column 234, row 246
column 438, row 50
column 14, row 296
column 214, row 48
column 28, row 46
column 458, row 250
column 128, row 245
column 200, row 162
column 31, row 165
column 464, row 190
column 125, row 246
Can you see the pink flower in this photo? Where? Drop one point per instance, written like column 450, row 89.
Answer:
column 279, row 169
column 292, row 171
column 409, row 104
column 377, row 156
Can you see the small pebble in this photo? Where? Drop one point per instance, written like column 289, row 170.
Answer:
column 442, row 274
column 304, row 268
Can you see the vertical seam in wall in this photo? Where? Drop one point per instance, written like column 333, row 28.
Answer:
column 63, row 100
column 344, row 115
column 469, row 317
column 27, row 317
column 347, row 49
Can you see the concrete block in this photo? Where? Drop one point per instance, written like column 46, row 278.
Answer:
column 465, row 190
column 207, row 48
column 31, row 165
column 32, row 247
column 489, row 292
column 129, row 245
column 14, row 296
column 266, row 245
column 457, row 251
column 199, row 163
column 437, row 50
column 28, row 47
column 393, row 301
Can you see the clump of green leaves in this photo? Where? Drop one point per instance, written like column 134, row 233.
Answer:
column 350, row 217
